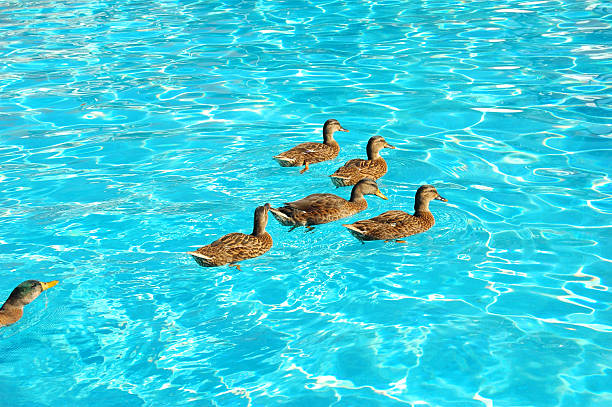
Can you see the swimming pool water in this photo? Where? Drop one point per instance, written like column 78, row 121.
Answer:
column 134, row 131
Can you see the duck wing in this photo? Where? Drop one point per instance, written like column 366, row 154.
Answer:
column 310, row 147
column 307, row 153
column 356, row 169
column 218, row 253
column 302, row 150
column 231, row 248
column 391, row 218
column 358, row 163
column 232, row 240
column 350, row 167
column 387, row 225
column 317, row 201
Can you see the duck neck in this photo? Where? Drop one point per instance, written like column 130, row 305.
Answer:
column 10, row 314
column 373, row 153
column 328, row 137
column 259, row 225
column 421, row 206
column 358, row 199
column 356, row 195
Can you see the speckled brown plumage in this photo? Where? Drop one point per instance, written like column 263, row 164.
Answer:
column 311, row 152
column 26, row 292
column 357, row 169
column 393, row 225
column 235, row 247
column 323, row 208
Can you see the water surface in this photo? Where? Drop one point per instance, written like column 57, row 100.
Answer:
column 134, row 131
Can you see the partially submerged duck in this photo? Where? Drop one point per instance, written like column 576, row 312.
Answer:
column 357, row 169
column 310, row 153
column 236, row 247
column 323, row 208
column 22, row 295
column 394, row 225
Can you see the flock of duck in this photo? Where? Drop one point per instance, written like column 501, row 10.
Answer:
column 312, row 210
column 316, row 209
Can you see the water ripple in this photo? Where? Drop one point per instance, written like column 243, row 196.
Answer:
column 135, row 131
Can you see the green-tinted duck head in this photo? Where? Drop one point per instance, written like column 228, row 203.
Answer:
column 27, row 292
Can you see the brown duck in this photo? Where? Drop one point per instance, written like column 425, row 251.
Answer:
column 22, row 295
column 356, row 169
column 310, row 153
column 323, row 208
column 236, row 247
column 393, row 225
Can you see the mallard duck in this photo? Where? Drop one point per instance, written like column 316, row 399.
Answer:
column 356, row 169
column 323, row 208
column 310, row 153
column 393, row 225
column 236, row 247
column 22, row 295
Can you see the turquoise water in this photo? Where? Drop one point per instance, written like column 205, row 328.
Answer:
column 134, row 131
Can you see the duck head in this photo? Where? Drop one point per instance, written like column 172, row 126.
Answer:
column 27, row 292
column 330, row 127
column 366, row 186
column 375, row 144
column 424, row 195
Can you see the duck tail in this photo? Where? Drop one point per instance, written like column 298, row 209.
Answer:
column 339, row 180
column 283, row 218
column 285, row 161
column 202, row 260
column 352, row 227
column 355, row 231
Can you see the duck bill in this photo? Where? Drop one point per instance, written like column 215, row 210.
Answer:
column 343, row 129
column 46, row 286
column 387, row 145
column 380, row 195
column 440, row 198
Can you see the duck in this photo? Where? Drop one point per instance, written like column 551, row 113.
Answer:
column 311, row 152
column 356, row 169
column 26, row 292
column 316, row 209
column 394, row 225
column 235, row 247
